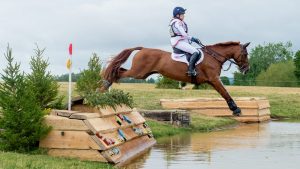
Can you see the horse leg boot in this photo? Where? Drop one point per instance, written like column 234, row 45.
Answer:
column 194, row 58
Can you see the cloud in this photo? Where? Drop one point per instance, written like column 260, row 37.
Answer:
column 107, row 27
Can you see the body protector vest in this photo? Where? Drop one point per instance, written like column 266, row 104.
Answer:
column 174, row 31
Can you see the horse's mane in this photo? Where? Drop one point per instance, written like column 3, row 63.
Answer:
column 226, row 43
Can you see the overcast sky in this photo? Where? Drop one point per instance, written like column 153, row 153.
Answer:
column 108, row 26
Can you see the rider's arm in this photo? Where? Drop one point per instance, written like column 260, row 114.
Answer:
column 179, row 26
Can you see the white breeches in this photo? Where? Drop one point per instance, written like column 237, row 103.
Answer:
column 185, row 46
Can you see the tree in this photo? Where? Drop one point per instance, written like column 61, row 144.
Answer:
column 261, row 57
column 225, row 80
column 279, row 74
column 132, row 80
column 167, row 83
column 151, row 80
column 22, row 118
column 42, row 83
column 89, row 79
column 297, row 66
column 65, row 77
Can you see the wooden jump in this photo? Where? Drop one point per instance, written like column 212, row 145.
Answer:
column 102, row 134
column 254, row 109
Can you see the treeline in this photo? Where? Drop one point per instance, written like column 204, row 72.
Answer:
column 167, row 83
column 76, row 76
column 271, row 64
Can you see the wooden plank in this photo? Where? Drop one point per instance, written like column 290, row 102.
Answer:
column 84, row 116
column 64, row 123
column 262, row 104
column 212, row 103
column 136, row 117
column 252, row 119
column 90, row 155
column 69, row 140
column 109, row 124
column 53, row 113
column 265, row 111
column 102, row 125
column 103, row 112
column 123, row 109
column 129, row 150
column 85, row 108
column 65, row 113
column 224, row 112
column 128, row 132
column 108, row 111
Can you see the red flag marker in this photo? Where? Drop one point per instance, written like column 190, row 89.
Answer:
column 70, row 49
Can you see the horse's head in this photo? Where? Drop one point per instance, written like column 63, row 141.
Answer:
column 241, row 58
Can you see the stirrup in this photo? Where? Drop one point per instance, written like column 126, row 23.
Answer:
column 192, row 73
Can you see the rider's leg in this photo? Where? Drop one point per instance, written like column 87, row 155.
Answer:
column 196, row 55
column 194, row 58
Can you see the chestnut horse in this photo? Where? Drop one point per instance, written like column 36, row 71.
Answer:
column 149, row 61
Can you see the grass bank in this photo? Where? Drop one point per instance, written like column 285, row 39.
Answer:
column 10, row 160
column 284, row 101
column 199, row 123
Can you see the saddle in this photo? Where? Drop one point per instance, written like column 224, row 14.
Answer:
column 181, row 52
column 182, row 56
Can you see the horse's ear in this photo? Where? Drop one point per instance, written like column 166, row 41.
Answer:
column 246, row 45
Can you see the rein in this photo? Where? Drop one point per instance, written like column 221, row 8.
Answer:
column 215, row 55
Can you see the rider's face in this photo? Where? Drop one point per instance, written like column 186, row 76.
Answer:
column 181, row 17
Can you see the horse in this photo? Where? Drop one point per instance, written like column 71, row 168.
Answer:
column 148, row 61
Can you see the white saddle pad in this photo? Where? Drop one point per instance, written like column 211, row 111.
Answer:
column 182, row 58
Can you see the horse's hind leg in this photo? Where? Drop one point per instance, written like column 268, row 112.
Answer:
column 131, row 73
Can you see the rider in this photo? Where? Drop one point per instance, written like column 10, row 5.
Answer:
column 181, row 40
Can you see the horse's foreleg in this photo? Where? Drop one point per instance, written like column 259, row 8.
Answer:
column 217, row 84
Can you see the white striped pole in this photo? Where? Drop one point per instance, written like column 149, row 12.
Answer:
column 70, row 76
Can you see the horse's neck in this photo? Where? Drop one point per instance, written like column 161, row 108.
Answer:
column 225, row 51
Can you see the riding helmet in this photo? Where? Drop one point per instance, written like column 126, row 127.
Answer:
column 178, row 10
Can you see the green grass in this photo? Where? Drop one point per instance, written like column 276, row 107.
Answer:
column 10, row 160
column 284, row 101
column 199, row 123
column 160, row 129
column 204, row 123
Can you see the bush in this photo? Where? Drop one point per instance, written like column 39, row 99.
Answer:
column 297, row 66
column 166, row 83
column 112, row 99
column 42, row 83
column 89, row 79
column 88, row 82
column 225, row 80
column 22, row 118
column 202, row 86
column 280, row 74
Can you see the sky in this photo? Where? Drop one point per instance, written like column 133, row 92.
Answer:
column 106, row 27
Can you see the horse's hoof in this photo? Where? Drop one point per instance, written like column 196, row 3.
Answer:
column 237, row 112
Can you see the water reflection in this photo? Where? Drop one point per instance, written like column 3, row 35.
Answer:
column 266, row 145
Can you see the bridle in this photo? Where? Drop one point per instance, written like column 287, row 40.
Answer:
column 217, row 56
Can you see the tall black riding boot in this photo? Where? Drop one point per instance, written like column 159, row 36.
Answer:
column 193, row 60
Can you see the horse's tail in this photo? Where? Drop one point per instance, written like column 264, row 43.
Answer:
column 112, row 72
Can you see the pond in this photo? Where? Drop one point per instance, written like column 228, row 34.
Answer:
column 261, row 146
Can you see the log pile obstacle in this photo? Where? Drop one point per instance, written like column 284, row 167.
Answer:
column 254, row 109
column 103, row 134
column 174, row 117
